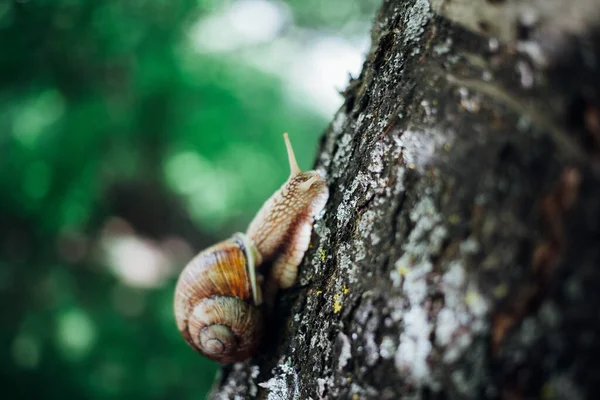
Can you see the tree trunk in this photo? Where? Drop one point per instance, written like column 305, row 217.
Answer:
column 458, row 254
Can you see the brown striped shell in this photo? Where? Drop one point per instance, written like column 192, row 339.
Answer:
column 217, row 301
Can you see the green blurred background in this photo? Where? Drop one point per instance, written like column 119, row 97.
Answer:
column 134, row 133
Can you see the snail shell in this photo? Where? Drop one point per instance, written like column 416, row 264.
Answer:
column 217, row 301
column 218, row 294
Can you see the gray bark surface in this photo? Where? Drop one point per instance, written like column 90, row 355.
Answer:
column 458, row 253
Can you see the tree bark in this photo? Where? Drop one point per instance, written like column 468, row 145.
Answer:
column 458, row 253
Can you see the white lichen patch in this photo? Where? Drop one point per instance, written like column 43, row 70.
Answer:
column 424, row 241
column 254, row 372
column 414, row 277
column 447, row 324
column 443, row 48
column 397, row 305
column 463, row 315
column 376, row 164
column 350, row 200
column 322, row 386
column 319, row 340
column 371, row 348
column 399, row 186
column 455, row 277
column 232, row 389
column 379, row 182
column 414, row 23
column 459, row 346
column 469, row 246
column 337, row 127
column 415, row 347
column 534, row 50
column 347, row 266
column 283, row 384
column 342, row 155
column 365, row 225
column 361, row 118
column 345, row 208
column 419, row 146
column 465, row 309
column 345, row 350
column 527, row 75
column 360, row 250
column 382, row 123
column 411, row 272
column 387, row 349
column 477, row 304
column 338, row 122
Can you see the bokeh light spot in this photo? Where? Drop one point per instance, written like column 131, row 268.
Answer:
column 135, row 261
column 76, row 334
column 244, row 22
column 209, row 191
column 184, row 171
column 36, row 115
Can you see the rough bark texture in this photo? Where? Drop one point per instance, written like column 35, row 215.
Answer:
column 458, row 254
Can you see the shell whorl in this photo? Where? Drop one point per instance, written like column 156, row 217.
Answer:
column 217, row 299
column 225, row 329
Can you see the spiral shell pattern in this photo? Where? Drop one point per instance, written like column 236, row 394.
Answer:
column 215, row 306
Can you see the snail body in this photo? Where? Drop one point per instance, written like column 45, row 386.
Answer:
column 219, row 295
column 281, row 229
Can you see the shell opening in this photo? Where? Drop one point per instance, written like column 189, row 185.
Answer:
column 251, row 254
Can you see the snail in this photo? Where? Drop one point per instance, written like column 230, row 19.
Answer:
column 218, row 299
